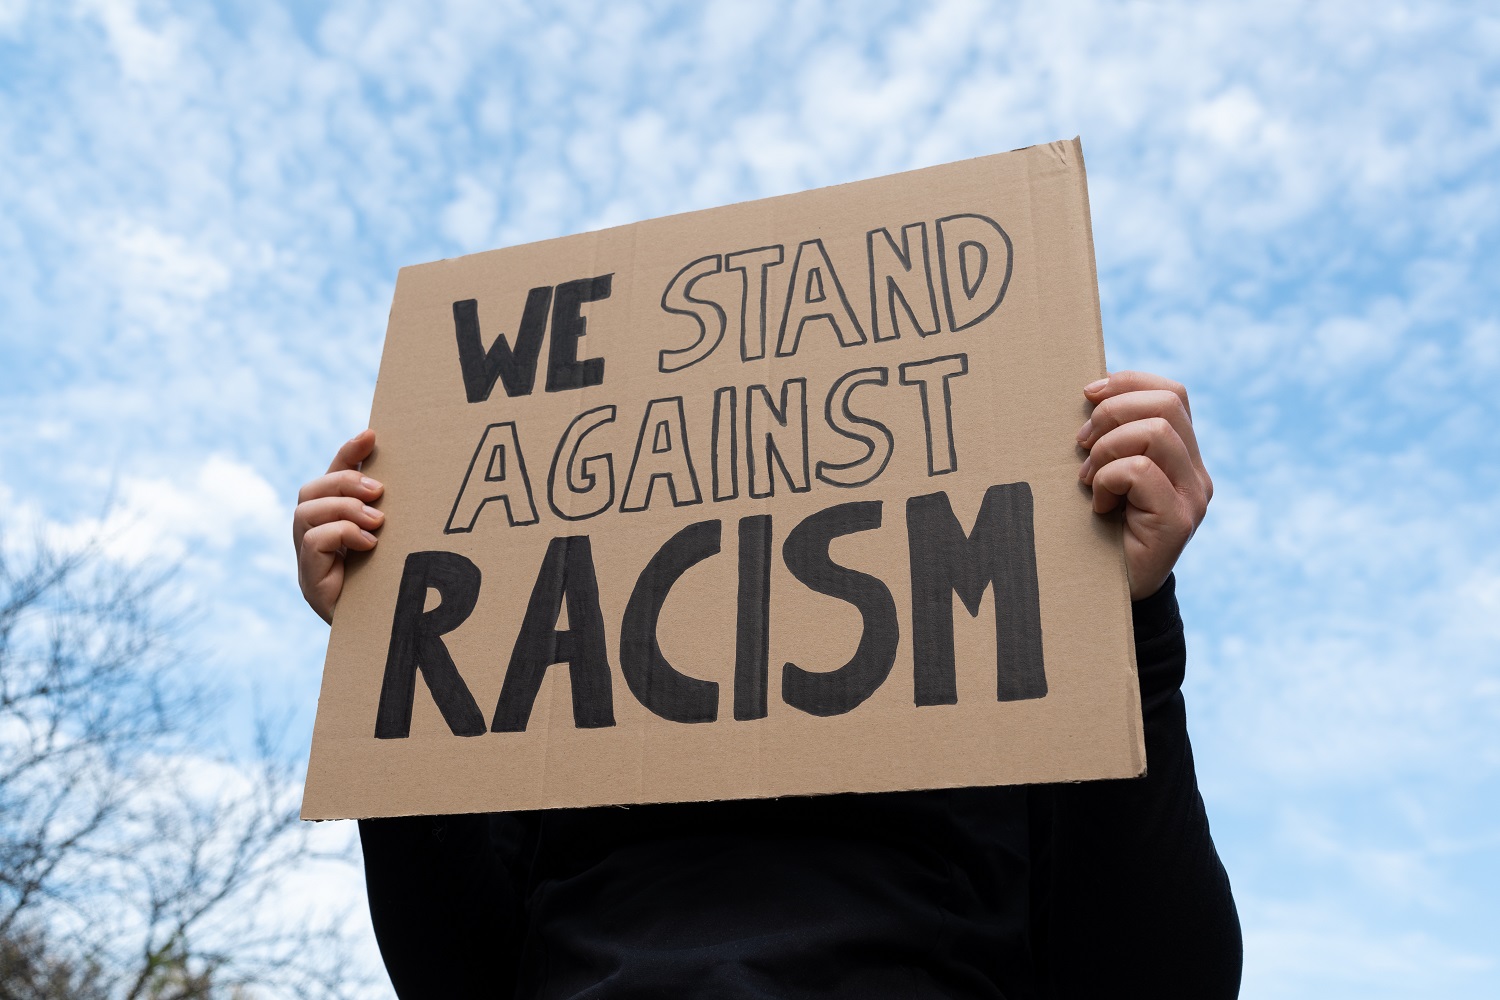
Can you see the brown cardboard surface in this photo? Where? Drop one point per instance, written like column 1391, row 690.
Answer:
column 736, row 625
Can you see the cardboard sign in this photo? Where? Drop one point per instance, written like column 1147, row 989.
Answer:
column 773, row 499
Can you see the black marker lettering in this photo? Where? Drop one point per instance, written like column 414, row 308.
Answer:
column 752, row 636
column 417, row 644
column 678, row 300
column 807, row 301
column 496, row 472
column 567, row 573
column 942, row 453
column 901, row 275
column 516, row 368
column 835, row 692
column 725, row 437
column 845, row 422
column 999, row 552
column 564, row 370
column 655, row 683
column 579, row 477
column 974, row 250
column 666, row 457
column 781, row 436
column 753, row 265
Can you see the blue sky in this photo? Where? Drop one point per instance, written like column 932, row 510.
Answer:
column 1296, row 212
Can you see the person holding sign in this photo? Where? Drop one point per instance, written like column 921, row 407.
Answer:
column 1073, row 890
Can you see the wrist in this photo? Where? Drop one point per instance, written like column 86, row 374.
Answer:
column 1157, row 613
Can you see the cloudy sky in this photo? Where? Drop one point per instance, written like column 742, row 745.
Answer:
column 203, row 208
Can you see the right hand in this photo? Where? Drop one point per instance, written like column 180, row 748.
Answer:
column 332, row 517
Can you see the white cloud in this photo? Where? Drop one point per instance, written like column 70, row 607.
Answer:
column 1233, row 119
column 144, row 52
column 1482, row 345
column 469, row 219
column 1294, row 208
column 1358, row 642
column 163, row 280
column 221, row 504
column 1296, row 951
column 306, row 876
column 13, row 15
column 1404, row 874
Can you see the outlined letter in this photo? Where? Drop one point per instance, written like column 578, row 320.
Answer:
column 942, row 452
column 815, row 294
column 999, row 552
column 725, row 435
column 976, row 258
column 835, row 692
column 655, row 683
column 773, row 439
column 753, row 265
column 665, row 457
column 901, row 275
column 564, row 370
column 845, row 422
column 579, row 477
column 417, row 645
column 567, row 573
column 501, row 475
column 515, row 367
column 677, row 299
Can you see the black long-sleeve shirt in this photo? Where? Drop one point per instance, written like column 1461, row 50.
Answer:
column 1100, row 889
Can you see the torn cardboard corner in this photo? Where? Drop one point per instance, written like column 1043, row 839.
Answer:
column 773, row 499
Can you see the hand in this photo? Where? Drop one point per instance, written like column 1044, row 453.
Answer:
column 332, row 517
column 1143, row 453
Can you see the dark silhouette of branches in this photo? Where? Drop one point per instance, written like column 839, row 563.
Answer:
column 134, row 864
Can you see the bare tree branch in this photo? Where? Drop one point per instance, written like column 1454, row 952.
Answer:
column 124, row 874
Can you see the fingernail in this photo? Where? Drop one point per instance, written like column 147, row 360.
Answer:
column 1086, row 430
column 1096, row 386
column 368, row 537
column 1083, row 470
column 369, row 483
column 371, row 512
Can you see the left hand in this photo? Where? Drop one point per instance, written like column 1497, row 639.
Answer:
column 1143, row 453
column 333, row 516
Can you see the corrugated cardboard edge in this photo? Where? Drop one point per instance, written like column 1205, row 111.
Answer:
column 1133, row 681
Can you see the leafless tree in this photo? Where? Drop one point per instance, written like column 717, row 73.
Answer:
column 133, row 863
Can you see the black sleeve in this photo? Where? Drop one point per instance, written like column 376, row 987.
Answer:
column 445, row 902
column 1129, row 897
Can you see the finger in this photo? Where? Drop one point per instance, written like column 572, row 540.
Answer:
column 322, row 510
column 1141, row 483
column 1120, row 383
column 323, row 547
column 345, row 483
column 1154, row 438
column 1158, row 520
column 353, row 451
column 1115, row 411
column 331, row 538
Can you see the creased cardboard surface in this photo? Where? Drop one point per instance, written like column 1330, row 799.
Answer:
column 736, row 625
